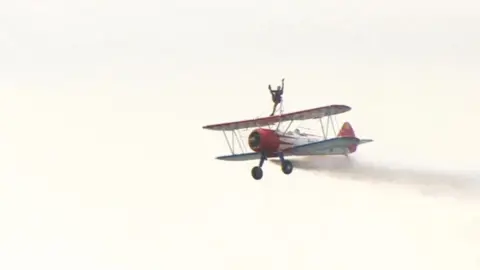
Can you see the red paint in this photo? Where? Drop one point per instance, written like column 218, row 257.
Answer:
column 347, row 131
column 267, row 140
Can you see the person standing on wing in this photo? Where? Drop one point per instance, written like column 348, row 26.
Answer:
column 276, row 96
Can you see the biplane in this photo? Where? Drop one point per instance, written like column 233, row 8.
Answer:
column 267, row 142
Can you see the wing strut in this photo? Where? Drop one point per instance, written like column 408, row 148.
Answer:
column 286, row 130
column 329, row 121
column 231, row 143
column 326, row 127
column 334, row 125
column 241, row 144
column 228, row 142
column 323, row 129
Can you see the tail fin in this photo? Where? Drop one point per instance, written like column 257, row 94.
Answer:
column 347, row 131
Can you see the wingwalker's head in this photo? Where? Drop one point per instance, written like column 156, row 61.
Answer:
column 264, row 140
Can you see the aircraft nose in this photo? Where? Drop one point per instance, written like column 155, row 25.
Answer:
column 254, row 139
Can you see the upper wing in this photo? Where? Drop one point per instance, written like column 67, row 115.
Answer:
column 265, row 121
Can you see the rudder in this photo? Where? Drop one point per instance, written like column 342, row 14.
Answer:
column 347, row 131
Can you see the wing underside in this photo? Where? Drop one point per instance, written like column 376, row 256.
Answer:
column 335, row 146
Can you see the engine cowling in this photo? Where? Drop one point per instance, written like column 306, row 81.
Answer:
column 264, row 140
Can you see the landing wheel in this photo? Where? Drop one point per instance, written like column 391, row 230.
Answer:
column 257, row 173
column 287, row 166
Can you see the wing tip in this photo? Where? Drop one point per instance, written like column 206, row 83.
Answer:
column 239, row 157
column 213, row 127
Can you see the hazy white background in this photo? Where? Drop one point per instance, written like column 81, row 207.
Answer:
column 104, row 164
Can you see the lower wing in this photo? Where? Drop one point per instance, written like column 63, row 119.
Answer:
column 335, row 146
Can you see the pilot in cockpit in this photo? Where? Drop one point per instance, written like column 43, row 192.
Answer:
column 296, row 131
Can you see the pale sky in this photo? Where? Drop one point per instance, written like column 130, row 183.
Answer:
column 105, row 164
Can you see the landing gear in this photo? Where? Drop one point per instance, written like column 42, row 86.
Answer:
column 257, row 172
column 287, row 167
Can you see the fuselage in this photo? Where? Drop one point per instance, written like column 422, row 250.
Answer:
column 272, row 141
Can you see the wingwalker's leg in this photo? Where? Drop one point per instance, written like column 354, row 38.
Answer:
column 287, row 165
column 257, row 172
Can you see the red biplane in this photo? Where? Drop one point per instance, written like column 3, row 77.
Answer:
column 279, row 143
